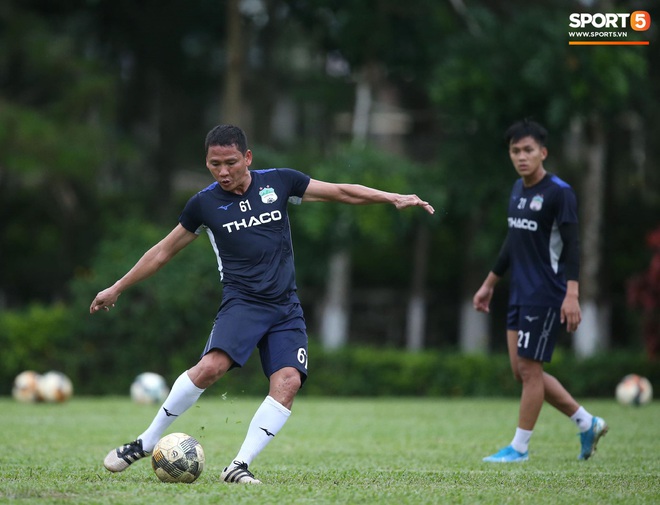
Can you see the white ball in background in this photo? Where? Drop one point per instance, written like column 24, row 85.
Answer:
column 634, row 390
column 55, row 387
column 25, row 389
column 149, row 388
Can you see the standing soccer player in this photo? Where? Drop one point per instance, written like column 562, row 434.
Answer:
column 541, row 250
column 244, row 213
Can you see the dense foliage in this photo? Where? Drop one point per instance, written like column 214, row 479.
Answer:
column 104, row 106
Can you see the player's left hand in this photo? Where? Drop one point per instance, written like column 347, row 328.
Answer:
column 570, row 313
column 413, row 201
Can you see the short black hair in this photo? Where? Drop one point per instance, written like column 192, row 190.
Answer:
column 526, row 128
column 226, row 135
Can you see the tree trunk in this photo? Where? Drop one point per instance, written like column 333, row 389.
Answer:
column 416, row 315
column 334, row 313
column 233, row 96
column 362, row 107
column 592, row 334
column 474, row 327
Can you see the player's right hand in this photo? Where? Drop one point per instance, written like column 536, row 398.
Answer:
column 481, row 299
column 104, row 300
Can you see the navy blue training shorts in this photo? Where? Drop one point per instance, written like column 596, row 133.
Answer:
column 537, row 327
column 278, row 330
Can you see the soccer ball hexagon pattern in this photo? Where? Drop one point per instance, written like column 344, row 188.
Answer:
column 178, row 457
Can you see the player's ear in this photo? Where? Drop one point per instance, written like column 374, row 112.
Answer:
column 544, row 153
column 248, row 158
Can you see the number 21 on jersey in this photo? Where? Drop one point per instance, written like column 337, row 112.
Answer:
column 523, row 339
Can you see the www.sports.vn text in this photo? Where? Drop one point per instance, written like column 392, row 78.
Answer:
column 597, row 34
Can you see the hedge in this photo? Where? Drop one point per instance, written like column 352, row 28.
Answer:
column 373, row 371
column 39, row 339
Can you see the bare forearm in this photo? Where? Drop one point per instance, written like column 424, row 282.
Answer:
column 481, row 299
column 491, row 280
column 573, row 289
column 150, row 262
column 356, row 194
column 146, row 266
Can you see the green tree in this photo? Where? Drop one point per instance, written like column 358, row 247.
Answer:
column 57, row 107
column 500, row 72
column 385, row 44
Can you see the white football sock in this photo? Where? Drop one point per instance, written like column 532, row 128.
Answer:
column 266, row 423
column 521, row 439
column 183, row 395
column 582, row 419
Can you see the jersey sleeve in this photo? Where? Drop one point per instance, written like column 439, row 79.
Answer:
column 567, row 207
column 191, row 216
column 503, row 259
column 298, row 183
column 570, row 237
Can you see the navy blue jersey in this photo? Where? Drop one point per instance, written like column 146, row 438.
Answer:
column 250, row 233
column 534, row 243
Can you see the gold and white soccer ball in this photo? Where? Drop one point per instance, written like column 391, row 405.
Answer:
column 634, row 390
column 178, row 457
column 149, row 388
column 54, row 387
column 25, row 389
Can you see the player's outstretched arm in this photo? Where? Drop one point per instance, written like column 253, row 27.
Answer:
column 356, row 194
column 150, row 262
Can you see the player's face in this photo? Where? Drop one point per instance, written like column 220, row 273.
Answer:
column 229, row 167
column 527, row 156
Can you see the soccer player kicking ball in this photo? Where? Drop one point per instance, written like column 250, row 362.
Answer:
column 541, row 251
column 244, row 213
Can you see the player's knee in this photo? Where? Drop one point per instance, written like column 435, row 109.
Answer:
column 284, row 384
column 528, row 370
column 288, row 378
column 515, row 371
column 210, row 368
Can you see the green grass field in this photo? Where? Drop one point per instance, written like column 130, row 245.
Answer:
column 349, row 451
